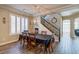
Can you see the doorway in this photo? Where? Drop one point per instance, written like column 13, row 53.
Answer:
column 66, row 27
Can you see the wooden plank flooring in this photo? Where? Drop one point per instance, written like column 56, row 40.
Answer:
column 13, row 48
column 67, row 45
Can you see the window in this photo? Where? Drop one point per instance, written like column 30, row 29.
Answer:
column 26, row 24
column 18, row 24
column 77, row 23
column 22, row 24
column 13, row 19
column 66, row 27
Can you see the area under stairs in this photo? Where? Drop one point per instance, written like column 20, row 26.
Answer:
column 51, row 26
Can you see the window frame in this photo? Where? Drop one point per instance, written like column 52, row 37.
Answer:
column 16, row 24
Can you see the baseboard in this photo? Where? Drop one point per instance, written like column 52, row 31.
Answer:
column 8, row 42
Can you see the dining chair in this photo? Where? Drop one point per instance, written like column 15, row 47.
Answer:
column 36, row 30
column 42, row 48
column 32, row 41
column 24, row 39
column 44, row 32
column 20, row 39
column 45, row 48
column 50, row 47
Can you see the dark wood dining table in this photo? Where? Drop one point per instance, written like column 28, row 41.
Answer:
column 43, row 39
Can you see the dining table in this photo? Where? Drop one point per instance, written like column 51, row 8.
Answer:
column 44, row 39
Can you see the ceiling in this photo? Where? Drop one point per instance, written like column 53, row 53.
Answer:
column 37, row 9
column 70, row 11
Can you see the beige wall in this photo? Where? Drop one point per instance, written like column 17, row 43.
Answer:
column 31, row 24
column 5, row 29
column 40, row 26
column 72, row 20
column 5, row 36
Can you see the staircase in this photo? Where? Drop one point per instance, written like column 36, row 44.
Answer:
column 51, row 27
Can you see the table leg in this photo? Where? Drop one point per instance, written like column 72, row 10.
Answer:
column 45, row 49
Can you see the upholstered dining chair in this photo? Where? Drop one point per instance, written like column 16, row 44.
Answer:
column 44, row 32
column 23, row 39
column 50, row 47
column 32, row 41
column 36, row 31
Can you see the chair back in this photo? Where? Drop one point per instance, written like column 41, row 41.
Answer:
column 36, row 30
column 32, row 39
column 32, row 36
column 44, row 32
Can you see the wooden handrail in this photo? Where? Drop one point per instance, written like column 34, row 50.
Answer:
column 49, row 23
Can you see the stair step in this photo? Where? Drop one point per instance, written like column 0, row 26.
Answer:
column 52, row 28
